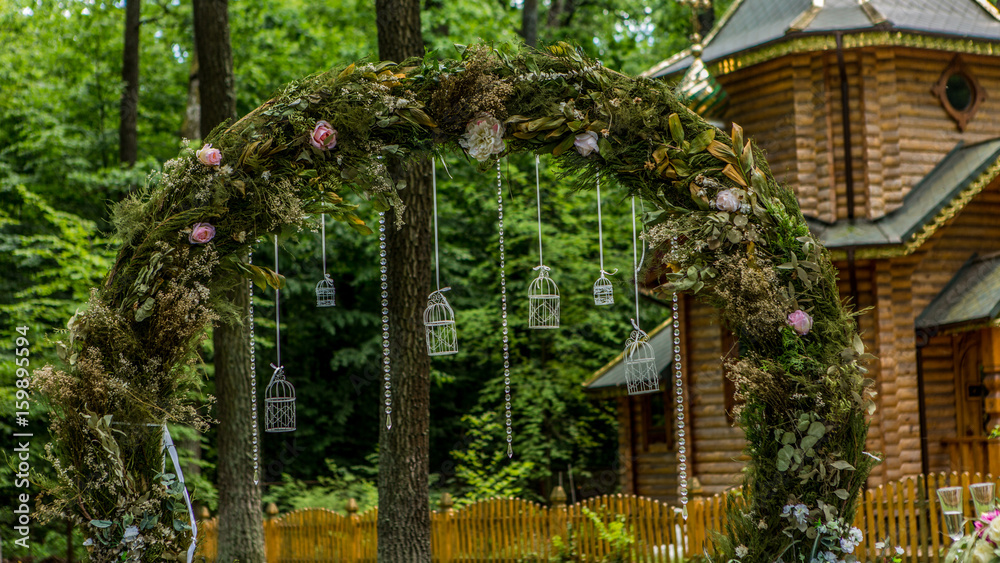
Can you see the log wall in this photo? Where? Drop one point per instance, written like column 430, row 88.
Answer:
column 792, row 107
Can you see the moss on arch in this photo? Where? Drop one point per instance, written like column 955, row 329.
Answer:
column 725, row 230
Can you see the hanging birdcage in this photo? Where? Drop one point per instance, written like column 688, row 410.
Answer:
column 325, row 292
column 439, row 325
column 279, row 403
column 543, row 301
column 604, row 292
column 640, row 365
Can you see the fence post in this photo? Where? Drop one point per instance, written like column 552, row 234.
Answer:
column 557, row 515
column 272, row 534
column 354, row 525
column 447, row 535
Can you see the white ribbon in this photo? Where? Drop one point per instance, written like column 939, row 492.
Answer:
column 168, row 446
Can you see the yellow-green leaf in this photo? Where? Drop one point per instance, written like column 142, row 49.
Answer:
column 722, row 152
column 733, row 174
column 346, row 72
column 563, row 146
column 422, row 118
column 676, row 129
column 737, row 136
column 702, row 141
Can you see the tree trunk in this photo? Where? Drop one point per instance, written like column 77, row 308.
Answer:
column 398, row 24
column 241, row 533
column 706, row 19
column 128, row 142
column 215, row 63
column 191, row 127
column 555, row 11
column 529, row 22
column 404, row 463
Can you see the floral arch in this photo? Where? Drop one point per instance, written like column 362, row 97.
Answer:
column 724, row 228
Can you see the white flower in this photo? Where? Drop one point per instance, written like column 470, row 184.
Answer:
column 982, row 552
column 801, row 512
column 856, row 535
column 226, row 169
column 879, row 545
column 88, row 542
column 899, row 550
column 266, row 175
column 586, row 143
column 130, row 534
column 742, row 551
column 483, row 137
column 727, row 200
column 846, row 545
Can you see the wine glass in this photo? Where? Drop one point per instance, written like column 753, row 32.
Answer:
column 982, row 497
column 951, row 506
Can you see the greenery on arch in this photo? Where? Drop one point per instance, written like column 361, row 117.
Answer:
column 723, row 229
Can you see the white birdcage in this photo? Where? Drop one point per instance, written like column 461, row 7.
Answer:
column 325, row 292
column 604, row 292
column 279, row 403
column 439, row 325
column 543, row 301
column 640, row 365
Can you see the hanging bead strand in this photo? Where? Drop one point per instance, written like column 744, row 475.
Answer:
column 384, row 269
column 503, row 319
column 682, row 467
column 253, row 381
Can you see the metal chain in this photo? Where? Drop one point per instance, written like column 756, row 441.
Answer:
column 253, row 382
column 384, row 269
column 503, row 316
column 682, row 467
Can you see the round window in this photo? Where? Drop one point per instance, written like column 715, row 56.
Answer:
column 958, row 91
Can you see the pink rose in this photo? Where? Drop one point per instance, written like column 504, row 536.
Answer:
column 800, row 321
column 209, row 156
column 323, row 136
column 727, row 200
column 586, row 143
column 201, row 233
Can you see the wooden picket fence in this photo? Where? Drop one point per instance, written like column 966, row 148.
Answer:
column 513, row 530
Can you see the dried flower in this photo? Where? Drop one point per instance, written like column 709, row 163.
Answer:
column 586, row 143
column 742, row 551
column 323, row 137
column 483, row 137
column 801, row 321
column 209, row 156
column 201, row 233
column 727, row 200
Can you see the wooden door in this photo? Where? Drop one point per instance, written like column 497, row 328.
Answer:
column 969, row 453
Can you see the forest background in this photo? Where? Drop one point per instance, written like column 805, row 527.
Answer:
column 61, row 86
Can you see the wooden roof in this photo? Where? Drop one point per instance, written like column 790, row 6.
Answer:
column 610, row 379
column 960, row 175
column 750, row 25
column 971, row 297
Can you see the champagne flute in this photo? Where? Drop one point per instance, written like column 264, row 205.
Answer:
column 982, row 497
column 951, row 506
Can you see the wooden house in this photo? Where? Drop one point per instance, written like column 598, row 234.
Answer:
column 884, row 116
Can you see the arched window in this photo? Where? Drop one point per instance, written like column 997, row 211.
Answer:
column 959, row 92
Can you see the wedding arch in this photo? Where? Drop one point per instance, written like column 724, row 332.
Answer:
column 723, row 229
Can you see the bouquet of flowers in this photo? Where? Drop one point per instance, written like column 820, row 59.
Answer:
column 982, row 545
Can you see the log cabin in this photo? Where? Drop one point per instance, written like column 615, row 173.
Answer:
column 884, row 117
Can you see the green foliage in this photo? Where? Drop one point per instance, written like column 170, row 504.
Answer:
column 483, row 466
column 50, row 260
column 333, row 490
column 616, row 532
